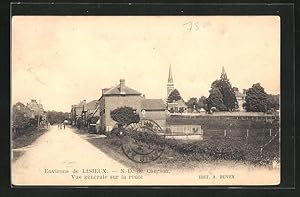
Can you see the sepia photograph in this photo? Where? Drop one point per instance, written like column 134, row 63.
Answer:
column 145, row 100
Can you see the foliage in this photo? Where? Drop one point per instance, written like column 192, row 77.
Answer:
column 273, row 102
column 174, row 96
column 215, row 99
column 192, row 103
column 55, row 117
column 202, row 103
column 181, row 110
column 197, row 104
column 22, row 119
column 229, row 99
column 257, row 100
column 124, row 116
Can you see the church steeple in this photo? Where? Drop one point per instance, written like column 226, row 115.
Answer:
column 170, row 79
column 223, row 74
column 170, row 84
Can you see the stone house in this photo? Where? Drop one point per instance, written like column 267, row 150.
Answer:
column 121, row 96
column 177, row 106
column 154, row 109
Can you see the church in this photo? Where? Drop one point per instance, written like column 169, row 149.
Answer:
column 176, row 105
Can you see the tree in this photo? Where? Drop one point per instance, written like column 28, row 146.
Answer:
column 257, row 100
column 273, row 102
column 227, row 91
column 215, row 99
column 55, row 117
column 174, row 96
column 192, row 103
column 124, row 116
column 202, row 103
column 22, row 118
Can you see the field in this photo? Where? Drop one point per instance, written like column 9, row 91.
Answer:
column 252, row 141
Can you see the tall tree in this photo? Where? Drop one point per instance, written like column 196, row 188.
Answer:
column 273, row 101
column 215, row 99
column 227, row 91
column 257, row 100
column 174, row 96
column 22, row 118
column 202, row 103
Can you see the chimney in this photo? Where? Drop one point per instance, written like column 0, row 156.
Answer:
column 33, row 100
column 122, row 86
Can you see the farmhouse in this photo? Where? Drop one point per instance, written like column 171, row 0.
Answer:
column 76, row 112
column 120, row 96
column 88, row 110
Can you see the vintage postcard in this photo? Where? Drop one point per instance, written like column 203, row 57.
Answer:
column 145, row 100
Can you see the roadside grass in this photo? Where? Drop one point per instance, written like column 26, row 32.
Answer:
column 24, row 139
column 184, row 155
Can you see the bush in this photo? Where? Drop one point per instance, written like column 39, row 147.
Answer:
column 124, row 116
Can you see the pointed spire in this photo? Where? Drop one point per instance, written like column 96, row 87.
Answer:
column 170, row 79
column 223, row 74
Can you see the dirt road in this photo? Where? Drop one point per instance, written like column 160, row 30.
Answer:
column 48, row 159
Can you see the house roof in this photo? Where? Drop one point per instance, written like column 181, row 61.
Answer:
column 238, row 94
column 91, row 105
column 153, row 104
column 116, row 91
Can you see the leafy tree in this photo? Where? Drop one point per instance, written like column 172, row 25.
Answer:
column 227, row 91
column 202, row 103
column 124, row 116
column 174, row 96
column 55, row 117
column 257, row 100
column 192, row 103
column 273, row 101
column 22, row 118
column 215, row 99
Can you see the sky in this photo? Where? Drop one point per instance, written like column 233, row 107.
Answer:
column 61, row 60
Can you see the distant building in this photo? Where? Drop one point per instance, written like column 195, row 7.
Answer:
column 240, row 97
column 174, row 106
column 88, row 110
column 37, row 111
column 76, row 112
column 177, row 106
column 121, row 96
column 154, row 109
column 35, row 107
